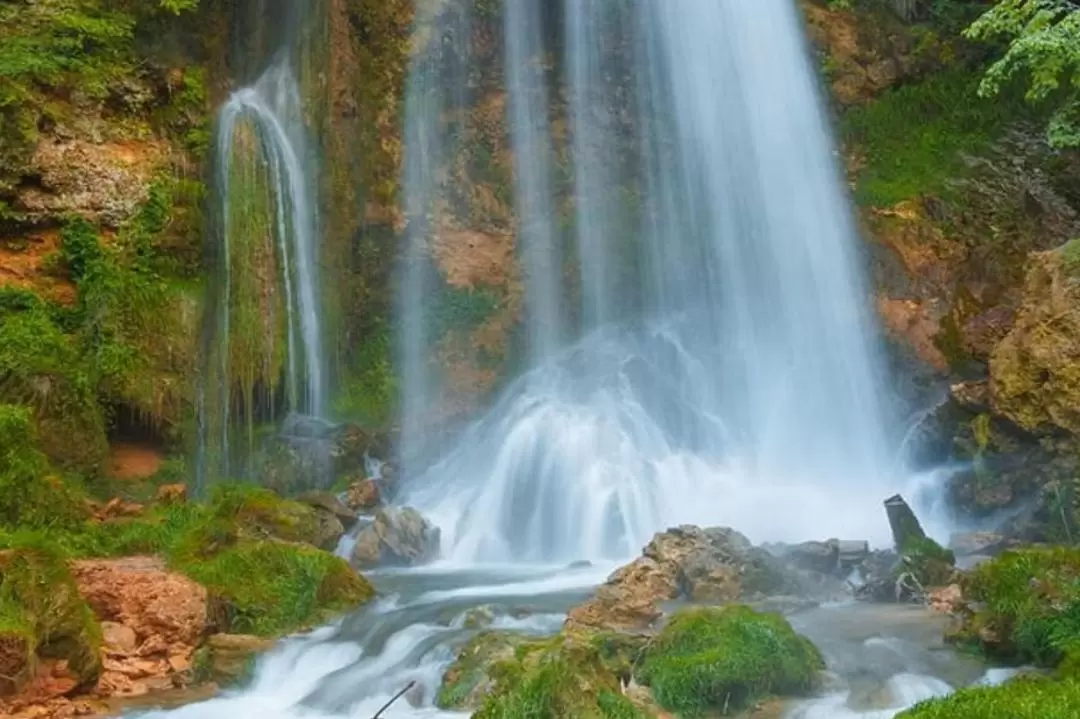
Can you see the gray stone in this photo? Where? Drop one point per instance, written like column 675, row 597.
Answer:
column 396, row 537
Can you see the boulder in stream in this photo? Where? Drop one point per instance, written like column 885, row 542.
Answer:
column 398, row 536
column 716, row 565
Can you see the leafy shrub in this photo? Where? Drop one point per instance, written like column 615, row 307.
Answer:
column 715, row 659
column 1043, row 47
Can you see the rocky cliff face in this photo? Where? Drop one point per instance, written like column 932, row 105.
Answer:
column 968, row 213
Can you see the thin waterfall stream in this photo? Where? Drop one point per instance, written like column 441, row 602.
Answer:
column 261, row 129
column 716, row 362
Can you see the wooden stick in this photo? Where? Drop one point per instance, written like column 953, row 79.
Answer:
column 393, row 699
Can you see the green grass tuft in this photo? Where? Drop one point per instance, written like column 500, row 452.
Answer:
column 711, row 659
column 1028, row 606
column 914, row 138
column 1024, row 698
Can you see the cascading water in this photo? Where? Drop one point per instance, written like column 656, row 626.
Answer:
column 725, row 370
column 736, row 381
column 267, row 233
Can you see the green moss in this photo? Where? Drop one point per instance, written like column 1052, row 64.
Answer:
column 930, row 563
column 42, row 612
column 1018, row 699
column 711, row 659
column 564, row 676
column 1028, row 606
column 468, row 680
column 462, row 309
column 30, row 495
column 369, row 394
column 1070, row 257
column 271, row 588
column 913, row 139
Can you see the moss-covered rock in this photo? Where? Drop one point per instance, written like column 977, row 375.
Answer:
column 1024, row 606
column 1035, row 371
column 42, row 615
column 1018, row 699
column 571, row 675
column 255, row 552
column 928, row 562
column 30, row 494
column 468, row 680
column 258, row 554
column 708, row 660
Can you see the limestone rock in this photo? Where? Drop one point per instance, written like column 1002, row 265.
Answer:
column 330, row 530
column 1035, row 370
column 103, row 182
column 230, row 655
column 152, row 621
column 363, row 495
column 140, row 593
column 328, row 502
column 397, row 537
column 715, row 565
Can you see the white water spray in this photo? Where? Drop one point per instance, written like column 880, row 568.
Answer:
column 746, row 388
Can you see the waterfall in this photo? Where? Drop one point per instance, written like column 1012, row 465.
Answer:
column 726, row 369
column 267, row 288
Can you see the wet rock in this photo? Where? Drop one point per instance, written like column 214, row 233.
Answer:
column 479, row 617
column 396, row 537
column 946, row 600
column 903, row 522
column 879, row 577
column 363, row 495
column 328, row 502
column 330, row 530
column 332, row 516
column 821, row 557
column 227, row 658
column 716, row 565
column 984, row 544
column 468, row 680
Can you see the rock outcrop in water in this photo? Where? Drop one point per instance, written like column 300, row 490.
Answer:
column 397, row 536
column 715, row 566
column 703, row 660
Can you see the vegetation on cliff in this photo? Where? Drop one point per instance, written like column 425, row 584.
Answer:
column 256, row 553
column 1043, row 48
column 1027, row 606
column 42, row 614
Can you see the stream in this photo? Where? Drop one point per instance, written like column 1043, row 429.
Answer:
column 881, row 658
